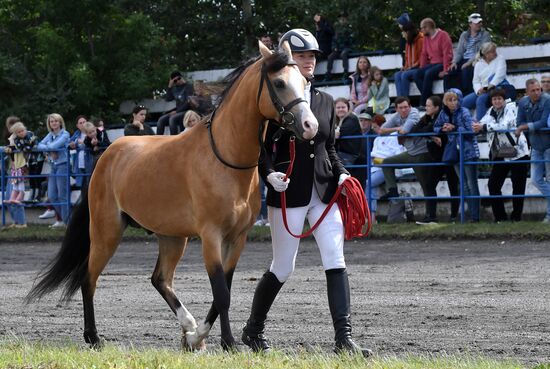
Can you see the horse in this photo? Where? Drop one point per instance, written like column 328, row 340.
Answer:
column 203, row 183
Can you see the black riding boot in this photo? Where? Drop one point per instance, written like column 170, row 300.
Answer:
column 253, row 332
column 339, row 304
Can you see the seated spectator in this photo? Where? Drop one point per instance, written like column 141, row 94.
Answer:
column 55, row 145
column 435, row 148
column 201, row 101
column 138, row 127
column 368, row 127
column 341, row 45
column 403, row 20
column 96, row 140
column 360, row 83
column 324, row 34
column 179, row 90
column 455, row 118
column 545, row 83
column 489, row 72
column 190, row 119
column 533, row 115
column 414, row 40
column 378, row 97
column 461, row 71
column 81, row 159
column 499, row 117
column 435, row 60
column 402, row 122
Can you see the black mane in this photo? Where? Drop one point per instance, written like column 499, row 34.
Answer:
column 274, row 63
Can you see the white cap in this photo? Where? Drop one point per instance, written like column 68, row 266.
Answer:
column 475, row 18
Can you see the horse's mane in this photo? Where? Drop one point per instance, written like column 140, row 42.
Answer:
column 274, row 63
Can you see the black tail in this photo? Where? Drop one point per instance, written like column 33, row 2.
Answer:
column 70, row 265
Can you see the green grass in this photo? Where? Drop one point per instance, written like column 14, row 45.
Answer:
column 535, row 231
column 21, row 354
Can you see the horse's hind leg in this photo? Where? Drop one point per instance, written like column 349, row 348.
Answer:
column 104, row 240
column 171, row 250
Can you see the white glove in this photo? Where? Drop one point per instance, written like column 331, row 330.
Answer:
column 276, row 179
column 342, row 178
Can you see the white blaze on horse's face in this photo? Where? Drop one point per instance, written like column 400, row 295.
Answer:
column 305, row 117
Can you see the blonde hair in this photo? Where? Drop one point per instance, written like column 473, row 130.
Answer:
column 57, row 117
column 484, row 49
column 188, row 115
column 17, row 126
column 448, row 95
column 88, row 125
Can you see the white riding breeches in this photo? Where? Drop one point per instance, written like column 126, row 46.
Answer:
column 329, row 236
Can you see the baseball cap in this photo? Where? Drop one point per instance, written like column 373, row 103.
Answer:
column 475, row 18
column 403, row 19
column 365, row 116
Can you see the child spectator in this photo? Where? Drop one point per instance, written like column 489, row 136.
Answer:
column 190, row 119
column 81, row 160
column 379, row 93
column 23, row 142
column 96, row 140
column 360, row 83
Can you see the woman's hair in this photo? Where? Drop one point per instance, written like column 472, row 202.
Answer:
column 436, row 100
column 138, row 108
column 80, row 117
column 448, row 96
column 374, row 70
column 357, row 65
column 412, row 31
column 17, row 126
column 484, row 49
column 188, row 115
column 57, row 117
column 344, row 100
column 497, row 92
column 88, row 125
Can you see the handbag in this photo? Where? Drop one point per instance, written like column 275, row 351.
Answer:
column 451, row 154
column 503, row 146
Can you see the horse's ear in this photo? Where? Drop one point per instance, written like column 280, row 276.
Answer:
column 286, row 49
column 264, row 50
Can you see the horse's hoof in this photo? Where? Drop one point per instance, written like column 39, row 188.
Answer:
column 229, row 345
column 94, row 341
column 191, row 342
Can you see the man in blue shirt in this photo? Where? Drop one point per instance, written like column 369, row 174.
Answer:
column 533, row 112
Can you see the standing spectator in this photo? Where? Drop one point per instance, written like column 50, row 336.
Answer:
column 533, row 115
column 545, row 82
column 414, row 40
column 324, row 34
column 360, row 83
column 138, row 127
column 403, row 122
column 435, row 148
column 55, row 144
column 501, row 117
column 435, row 60
column 489, row 72
column 179, row 90
column 378, row 96
column 267, row 41
column 82, row 159
column 23, row 143
column 455, row 118
column 96, row 140
column 461, row 71
column 341, row 45
column 368, row 127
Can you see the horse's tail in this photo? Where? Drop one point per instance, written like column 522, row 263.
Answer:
column 70, row 266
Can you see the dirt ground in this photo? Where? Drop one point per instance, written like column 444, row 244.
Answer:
column 485, row 297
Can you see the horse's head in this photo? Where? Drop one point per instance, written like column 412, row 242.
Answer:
column 285, row 101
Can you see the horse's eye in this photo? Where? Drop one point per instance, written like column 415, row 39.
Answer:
column 279, row 84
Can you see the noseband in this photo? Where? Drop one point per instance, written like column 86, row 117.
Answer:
column 286, row 117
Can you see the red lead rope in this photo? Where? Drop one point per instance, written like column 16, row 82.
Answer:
column 353, row 205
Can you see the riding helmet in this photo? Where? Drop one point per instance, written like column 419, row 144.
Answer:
column 300, row 40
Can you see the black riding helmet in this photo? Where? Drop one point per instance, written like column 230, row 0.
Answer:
column 300, row 40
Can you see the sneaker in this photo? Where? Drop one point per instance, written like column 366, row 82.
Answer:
column 20, row 226
column 426, row 221
column 58, row 224
column 49, row 213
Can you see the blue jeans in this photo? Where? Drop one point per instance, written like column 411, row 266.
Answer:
column 460, row 78
column 376, row 180
column 174, row 121
column 17, row 211
column 540, row 175
column 57, row 190
column 424, row 79
column 471, row 188
column 403, row 81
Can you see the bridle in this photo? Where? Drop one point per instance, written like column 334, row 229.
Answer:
column 286, row 117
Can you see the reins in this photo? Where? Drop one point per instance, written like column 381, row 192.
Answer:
column 353, row 205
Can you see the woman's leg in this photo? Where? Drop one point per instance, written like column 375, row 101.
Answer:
column 519, row 181
column 496, row 180
column 454, row 190
column 62, row 194
column 470, row 172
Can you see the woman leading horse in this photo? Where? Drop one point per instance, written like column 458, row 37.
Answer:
column 209, row 188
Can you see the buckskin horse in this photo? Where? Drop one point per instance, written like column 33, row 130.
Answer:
column 202, row 183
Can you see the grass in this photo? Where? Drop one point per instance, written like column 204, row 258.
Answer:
column 22, row 354
column 535, row 231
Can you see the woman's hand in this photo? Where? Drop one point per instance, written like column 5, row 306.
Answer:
column 276, row 179
column 437, row 140
column 477, row 127
column 448, row 127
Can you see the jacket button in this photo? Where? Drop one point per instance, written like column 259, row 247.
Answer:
column 312, row 155
column 312, row 142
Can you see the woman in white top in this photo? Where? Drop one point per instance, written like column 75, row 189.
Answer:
column 489, row 73
column 500, row 117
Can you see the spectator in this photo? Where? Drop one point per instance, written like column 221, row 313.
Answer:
column 461, row 71
column 267, row 41
column 348, row 149
column 435, row 148
column 545, row 82
column 455, row 118
column 201, row 102
column 82, row 159
column 98, row 122
column 96, row 140
column 435, row 60
column 368, row 127
column 360, row 83
column 138, row 127
column 533, row 115
column 55, row 144
column 190, row 119
column 23, row 143
column 499, row 117
column 379, row 92
column 413, row 50
column 489, row 72
column 403, row 20
column 179, row 90
column 324, row 34
column 341, row 45
column 402, row 122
